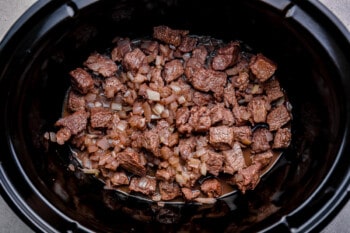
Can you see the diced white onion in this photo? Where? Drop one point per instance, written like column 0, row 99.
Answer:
column 153, row 95
column 116, row 106
column 158, row 109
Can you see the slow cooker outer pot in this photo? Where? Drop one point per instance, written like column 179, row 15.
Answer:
column 308, row 185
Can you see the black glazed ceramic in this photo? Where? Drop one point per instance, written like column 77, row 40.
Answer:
column 304, row 190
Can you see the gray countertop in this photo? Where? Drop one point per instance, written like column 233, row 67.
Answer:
column 10, row 10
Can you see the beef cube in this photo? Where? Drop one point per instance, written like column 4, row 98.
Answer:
column 172, row 70
column 282, row 138
column 168, row 35
column 145, row 185
column 76, row 101
column 230, row 99
column 241, row 81
column 241, row 114
column 186, row 147
column 200, row 119
column 164, row 132
column 212, row 188
column 150, row 47
column 214, row 162
column 226, row 56
column 169, row 191
column 221, row 114
column 221, row 137
column 150, row 141
column 243, row 134
column 187, row 44
column 262, row 158
column 259, row 106
column 75, row 123
column 209, row 80
column 190, row 194
column 122, row 48
column 81, row 80
column 156, row 77
column 137, row 122
column 201, row 99
column 261, row 140
column 278, row 117
column 119, row 178
column 100, row 117
column 112, row 86
column 166, row 174
column 101, row 64
column 63, row 135
column 233, row 159
column 273, row 90
column 200, row 53
column 130, row 160
column 191, row 66
column 134, row 60
column 247, row 178
column 262, row 67
column 182, row 116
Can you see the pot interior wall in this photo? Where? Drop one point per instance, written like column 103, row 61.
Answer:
column 304, row 69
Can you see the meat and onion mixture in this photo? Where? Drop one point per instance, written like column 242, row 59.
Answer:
column 175, row 116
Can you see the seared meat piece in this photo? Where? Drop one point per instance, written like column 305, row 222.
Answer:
column 164, row 131
column 273, row 90
column 278, row 117
column 190, row 194
column 182, row 116
column 172, row 70
column 150, row 141
column 262, row 158
column 75, row 122
column 211, row 187
column 282, row 138
column 247, row 178
column 137, row 122
column 241, row 81
column 241, row 114
column 259, row 106
column 200, row 53
column 122, row 48
column 242, row 134
column 76, row 101
column 261, row 140
column 187, row 44
column 221, row 137
column 130, row 160
column 262, row 67
column 101, row 64
column 146, row 185
column 233, row 159
column 100, row 117
column 200, row 119
column 81, row 80
column 230, row 96
column 209, row 80
column 166, row 174
column 168, row 35
column 63, row 135
column 214, row 162
column 119, row 178
column 150, row 47
column 133, row 60
column 201, row 99
column 169, row 191
column 226, row 56
column 186, row 147
column 221, row 114
column 111, row 86
column 191, row 66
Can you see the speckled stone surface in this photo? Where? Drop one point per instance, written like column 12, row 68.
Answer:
column 10, row 10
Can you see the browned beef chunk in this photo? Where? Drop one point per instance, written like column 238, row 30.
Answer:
column 137, row 122
column 282, row 138
column 146, row 185
column 262, row 67
column 76, row 101
column 261, row 140
column 112, row 86
column 259, row 106
column 201, row 99
column 173, row 70
column 241, row 81
column 221, row 114
column 150, row 47
column 221, row 137
column 81, row 80
column 168, row 35
column 226, row 56
column 233, row 159
column 122, row 48
column 169, row 191
column 200, row 119
column 130, row 160
column 100, row 117
column 214, row 162
column 200, row 53
column 150, row 141
column 278, row 117
column 273, row 90
column 182, row 117
column 119, row 178
column 164, row 132
column 63, row 135
column 241, row 114
column 191, row 66
column 190, row 194
column 166, row 174
column 247, row 178
column 101, row 64
column 133, row 60
column 243, row 134
column 212, row 188
column 75, row 122
column 262, row 158
column 209, row 80
column 188, row 44
column 187, row 146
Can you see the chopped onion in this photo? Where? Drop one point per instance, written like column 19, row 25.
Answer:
column 155, row 117
column 122, row 125
column 98, row 104
column 181, row 99
column 139, row 78
column 130, row 76
column 153, row 95
column 205, row 200
column 158, row 109
column 175, row 88
column 116, row 106
column 91, row 171
column 203, row 169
